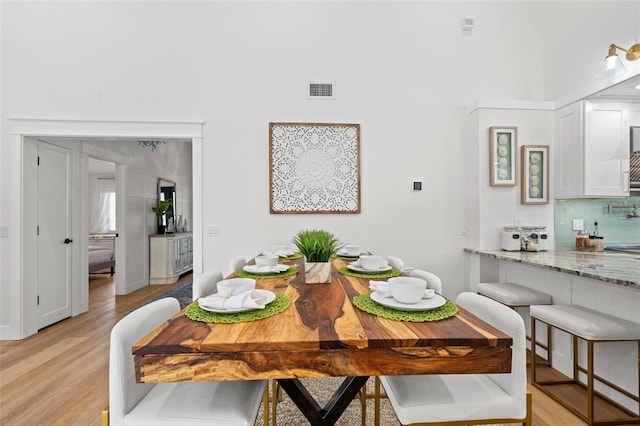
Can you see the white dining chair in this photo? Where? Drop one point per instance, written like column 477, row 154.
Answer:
column 467, row 398
column 206, row 283
column 180, row 403
column 237, row 263
column 433, row 281
column 396, row 262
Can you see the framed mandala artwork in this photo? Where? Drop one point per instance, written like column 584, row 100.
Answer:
column 314, row 168
column 502, row 158
column 535, row 174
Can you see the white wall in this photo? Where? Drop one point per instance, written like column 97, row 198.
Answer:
column 404, row 70
column 500, row 206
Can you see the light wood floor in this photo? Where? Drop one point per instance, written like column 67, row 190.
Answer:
column 60, row 375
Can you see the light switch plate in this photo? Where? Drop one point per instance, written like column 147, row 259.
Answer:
column 213, row 230
column 4, row 230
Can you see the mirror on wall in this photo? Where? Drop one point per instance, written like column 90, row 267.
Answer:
column 167, row 191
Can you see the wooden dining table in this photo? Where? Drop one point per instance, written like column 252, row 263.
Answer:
column 321, row 334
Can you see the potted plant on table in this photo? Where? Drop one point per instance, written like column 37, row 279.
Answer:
column 317, row 246
column 160, row 211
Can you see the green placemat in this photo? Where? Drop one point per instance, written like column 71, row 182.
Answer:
column 244, row 274
column 365, row 303
column 196, row 313
column 393, row 272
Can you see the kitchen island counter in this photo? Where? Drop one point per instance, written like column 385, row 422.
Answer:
column 606, row 282
column 611, row 267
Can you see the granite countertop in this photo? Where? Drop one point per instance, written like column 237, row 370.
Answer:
column 612, row 267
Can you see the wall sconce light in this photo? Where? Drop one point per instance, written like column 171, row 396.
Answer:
column 613, row 65
column 153, row 144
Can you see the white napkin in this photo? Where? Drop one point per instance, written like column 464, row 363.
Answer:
column 248, row 299
column 280, row 253
column 255, row 269
column 382, row 287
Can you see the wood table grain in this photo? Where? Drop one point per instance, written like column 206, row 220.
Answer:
column 322, row 334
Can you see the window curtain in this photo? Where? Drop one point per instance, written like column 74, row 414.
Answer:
column 103, row 199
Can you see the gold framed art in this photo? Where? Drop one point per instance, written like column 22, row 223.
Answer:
column 535, row 174
column 314, row 168
column 503, row 155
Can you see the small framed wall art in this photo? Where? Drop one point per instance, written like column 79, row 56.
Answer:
column 503, row 156
column 314, row 168
column 535, row 174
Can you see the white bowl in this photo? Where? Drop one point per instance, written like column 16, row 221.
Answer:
column 407, row 289
column 267, row 260
column 353, row 250
column 278, row 248
column 372, row 262
column 233, row 286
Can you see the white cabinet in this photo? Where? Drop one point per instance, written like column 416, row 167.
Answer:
column 592, row 150
column 170, row 255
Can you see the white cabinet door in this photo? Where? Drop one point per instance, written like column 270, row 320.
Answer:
column 569, row 160
column 592, row 149
column 606, row 159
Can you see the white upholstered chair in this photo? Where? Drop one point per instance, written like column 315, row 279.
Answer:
column 468, row 398
column 181, row 403
column 237, row 263
column 396, row 262
column 433, row 281
column 206, row 283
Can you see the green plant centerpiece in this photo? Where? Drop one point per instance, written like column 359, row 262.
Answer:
column 160, row 211
column 317, row 247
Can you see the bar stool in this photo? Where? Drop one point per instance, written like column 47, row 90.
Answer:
column 592, row 327
column 518, row 296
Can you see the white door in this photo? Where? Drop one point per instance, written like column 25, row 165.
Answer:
column 54, row 234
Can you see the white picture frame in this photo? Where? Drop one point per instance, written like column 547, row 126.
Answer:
column 535, row 174
column 314, row 168
column 503, row 159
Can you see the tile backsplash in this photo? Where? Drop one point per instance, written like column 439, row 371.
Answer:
column 613, row 223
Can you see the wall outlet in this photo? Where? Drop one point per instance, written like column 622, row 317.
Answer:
column 578, row 224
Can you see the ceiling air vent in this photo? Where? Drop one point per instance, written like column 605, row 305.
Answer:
column 321, row 91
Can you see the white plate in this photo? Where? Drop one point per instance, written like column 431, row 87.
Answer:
column 423, row 305
column 369, row 271
column 269, row 297
column 253, row 269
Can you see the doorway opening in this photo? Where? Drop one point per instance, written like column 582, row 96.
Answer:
column 101, row 204
column 21, row 319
